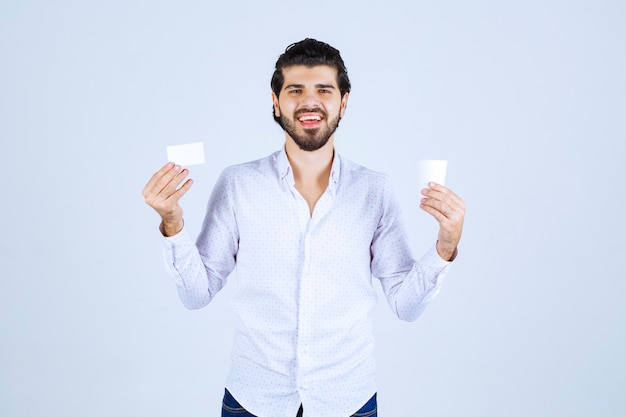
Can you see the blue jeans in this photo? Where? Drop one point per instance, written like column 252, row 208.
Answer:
column 231, row 408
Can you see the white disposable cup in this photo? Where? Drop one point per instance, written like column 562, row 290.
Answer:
column 431, row 170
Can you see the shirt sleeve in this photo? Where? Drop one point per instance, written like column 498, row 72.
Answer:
column 408, row 285
column 200, row 270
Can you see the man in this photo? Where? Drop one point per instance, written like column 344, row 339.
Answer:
column 307, row 231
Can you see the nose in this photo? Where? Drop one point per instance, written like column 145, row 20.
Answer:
column 309, row 100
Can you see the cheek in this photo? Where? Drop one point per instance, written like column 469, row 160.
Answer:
column 285, row 108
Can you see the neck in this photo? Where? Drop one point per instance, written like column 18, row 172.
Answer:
column 310, row 167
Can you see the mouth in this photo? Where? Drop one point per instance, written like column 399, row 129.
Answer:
column 310, row 120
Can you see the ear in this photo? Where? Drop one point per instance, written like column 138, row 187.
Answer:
column 344, row 104
column 276, row 106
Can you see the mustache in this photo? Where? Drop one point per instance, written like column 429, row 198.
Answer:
column 310, row 110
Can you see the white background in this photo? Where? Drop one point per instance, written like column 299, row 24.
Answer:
column 526, row 99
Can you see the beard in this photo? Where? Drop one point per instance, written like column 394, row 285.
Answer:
column 310, row 139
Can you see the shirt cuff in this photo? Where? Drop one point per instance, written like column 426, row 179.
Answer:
column 434, row 261
column 176, row 249
column 180, row 237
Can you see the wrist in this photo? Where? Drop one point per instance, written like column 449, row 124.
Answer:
column 170, row 228
column 447, row 253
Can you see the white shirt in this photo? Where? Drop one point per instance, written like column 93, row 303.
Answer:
column 305, row 282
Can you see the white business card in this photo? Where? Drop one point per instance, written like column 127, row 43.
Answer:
column 187, row 154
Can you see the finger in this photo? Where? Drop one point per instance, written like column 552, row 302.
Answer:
column 176, row 195
column 168, row 181
column 437, row 214
column 435, row 189
column 155, row 178
column 449, row 230
column 448, row 192
column 451, row 213
column 159, row 196
column 439, row 192
column 166, row 204
column 439, row 206
column 175, row 179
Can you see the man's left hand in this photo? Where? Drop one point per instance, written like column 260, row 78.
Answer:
column 449, row 210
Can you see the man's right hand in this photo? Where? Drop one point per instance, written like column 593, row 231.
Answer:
column 162, row 194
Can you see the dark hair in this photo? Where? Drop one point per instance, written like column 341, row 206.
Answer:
column 309, row 52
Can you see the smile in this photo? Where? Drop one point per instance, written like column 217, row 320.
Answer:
column 310, row 118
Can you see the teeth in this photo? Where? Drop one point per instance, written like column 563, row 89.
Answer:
column 307, row 118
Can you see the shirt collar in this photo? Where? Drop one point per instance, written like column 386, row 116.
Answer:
column 335, row 169
column 282, row 165
column 285, row 171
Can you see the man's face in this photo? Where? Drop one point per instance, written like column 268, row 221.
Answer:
column 310, row 105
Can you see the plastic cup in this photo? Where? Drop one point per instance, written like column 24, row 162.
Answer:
column 431, row 170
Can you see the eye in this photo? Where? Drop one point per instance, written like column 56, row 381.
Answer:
column 324, row 90
column 294, row 91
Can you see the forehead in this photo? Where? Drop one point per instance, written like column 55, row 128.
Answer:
column 318, row 74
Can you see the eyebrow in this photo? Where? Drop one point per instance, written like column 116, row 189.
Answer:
column 329, row 86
